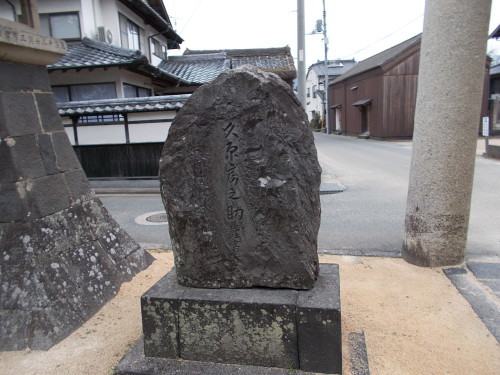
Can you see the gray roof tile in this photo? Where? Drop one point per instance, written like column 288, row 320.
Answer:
column 93, row 54
column 124, row 105
column 89, row 52
column 276, row 60
column 197, row 69
column 335, row 67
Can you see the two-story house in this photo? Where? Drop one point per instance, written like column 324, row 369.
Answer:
column 117, row 89
column 315, row 83
column 106, row 84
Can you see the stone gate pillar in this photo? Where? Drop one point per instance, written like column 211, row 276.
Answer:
column 62, row 256
column 450, row 89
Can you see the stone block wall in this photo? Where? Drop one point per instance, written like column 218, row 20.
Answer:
column 62, row 256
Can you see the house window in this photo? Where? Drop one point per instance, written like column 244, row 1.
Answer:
column 308, row 92
column 314, row 91
column 109, row 118
column 131, row 91
column 159, row 49
column 93, row 91
column 130, row 33
column 61, row 25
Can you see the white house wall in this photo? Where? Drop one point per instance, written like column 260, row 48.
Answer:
column 312, row 103
column 153, row 126
column 145, row 133
column 101, row 134
column 143, row 127
column 94, row 13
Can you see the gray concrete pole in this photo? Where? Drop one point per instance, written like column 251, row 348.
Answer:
column 447, row 117
column 325, row 40
column 301, row 52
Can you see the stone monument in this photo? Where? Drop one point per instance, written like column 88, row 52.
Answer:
column 240, row 181
column 62, row 255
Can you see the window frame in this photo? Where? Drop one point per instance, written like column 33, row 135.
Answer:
column 163, row 48
column 124, row 23
column 70, row 13
column 136, row 88
column 70, row 94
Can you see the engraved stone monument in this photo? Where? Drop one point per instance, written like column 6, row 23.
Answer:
column 240, row 180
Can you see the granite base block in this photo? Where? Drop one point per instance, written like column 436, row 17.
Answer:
column 136, row 363
column 259, row 326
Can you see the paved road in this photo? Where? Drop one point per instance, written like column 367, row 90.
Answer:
column 368, row 217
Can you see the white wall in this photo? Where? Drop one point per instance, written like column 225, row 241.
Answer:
column 157, row 115
column 152, row 132
column 313, row 104
column 101, row 134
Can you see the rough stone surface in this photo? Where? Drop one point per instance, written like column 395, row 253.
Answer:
column 284, row 328
column 447, row 116
column 62, row 256
column 240, row 181
column 319, row 324
column 136, row 363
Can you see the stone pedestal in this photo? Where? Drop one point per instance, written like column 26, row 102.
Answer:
column 261, row 327
column 62, row 255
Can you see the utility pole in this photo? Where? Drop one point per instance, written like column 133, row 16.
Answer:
column 301, row 51
column 325, row 97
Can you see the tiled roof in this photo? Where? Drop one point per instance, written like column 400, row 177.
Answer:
column 276, row 60
column 93, row 54
column 197, row 69
column 335, row 67
column 380, row 58
column 495, row 70
column 125, row 105
column 496, row 33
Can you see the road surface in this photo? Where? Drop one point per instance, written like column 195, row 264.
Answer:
column 367, row 218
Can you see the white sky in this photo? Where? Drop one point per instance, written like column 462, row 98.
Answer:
column 356, row 28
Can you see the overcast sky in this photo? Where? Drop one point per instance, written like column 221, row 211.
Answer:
column 356, row 28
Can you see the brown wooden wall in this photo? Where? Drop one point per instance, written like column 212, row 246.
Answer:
column 400, row 97
column 393, row 90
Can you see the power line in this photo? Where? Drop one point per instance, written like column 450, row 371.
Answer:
column 381, row 39
column 191, row 16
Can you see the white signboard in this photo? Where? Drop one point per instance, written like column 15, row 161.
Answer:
column 486, row 126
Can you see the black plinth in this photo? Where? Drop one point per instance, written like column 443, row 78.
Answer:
column 260, row 327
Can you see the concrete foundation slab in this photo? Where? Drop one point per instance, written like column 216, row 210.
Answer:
column 260, row 326
column 136, row 363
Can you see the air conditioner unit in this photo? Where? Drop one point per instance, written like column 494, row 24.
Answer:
column 104, row 35
column 101, row 34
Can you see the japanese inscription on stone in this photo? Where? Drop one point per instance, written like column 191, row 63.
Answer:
column 240, row 181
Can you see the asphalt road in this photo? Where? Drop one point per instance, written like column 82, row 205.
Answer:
column 367, row 218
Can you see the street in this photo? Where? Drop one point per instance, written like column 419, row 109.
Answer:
column 367, row 218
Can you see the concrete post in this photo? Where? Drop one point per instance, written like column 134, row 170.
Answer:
column 447, row 116
column 301, row 52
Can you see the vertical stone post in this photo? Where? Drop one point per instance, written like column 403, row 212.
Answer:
column 62, row 256
column 447, row 116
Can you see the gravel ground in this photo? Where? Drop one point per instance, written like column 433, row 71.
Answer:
column 414, row 321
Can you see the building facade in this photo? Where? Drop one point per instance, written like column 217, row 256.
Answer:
column 315, row 83
column 377, row 97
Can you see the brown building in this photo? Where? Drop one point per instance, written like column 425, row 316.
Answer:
column 377, row 97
